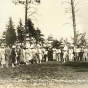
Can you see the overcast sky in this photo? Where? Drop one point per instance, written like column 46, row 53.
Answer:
column 50, row 19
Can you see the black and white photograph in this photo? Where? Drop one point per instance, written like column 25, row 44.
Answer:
column 43, row 44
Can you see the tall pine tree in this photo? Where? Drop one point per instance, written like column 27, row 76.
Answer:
column 20, row 31
column 35, row 33
column 10, row 35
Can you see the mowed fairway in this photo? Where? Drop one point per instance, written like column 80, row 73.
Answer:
column 48, row 74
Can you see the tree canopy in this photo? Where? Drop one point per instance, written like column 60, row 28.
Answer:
column 20, row 31
column 34, row 33
column 56, row 44
column 81, row 41
column 10, row 34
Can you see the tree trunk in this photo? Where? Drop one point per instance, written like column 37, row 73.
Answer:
column 74, row 23
column 26, row 4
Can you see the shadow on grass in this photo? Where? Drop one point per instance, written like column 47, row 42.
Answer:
column 78, row 66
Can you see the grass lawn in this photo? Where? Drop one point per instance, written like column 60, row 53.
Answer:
column 48, row 72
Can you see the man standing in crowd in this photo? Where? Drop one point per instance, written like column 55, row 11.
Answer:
column 13, row 55
column 81, row 54
column 74, row 52
column 2, row 54
column 70, row 54
column 46, row 55
column 85, row 57
column 40, row 55
column 59, row 54
column 17, row 54
column 77, row 51
column 65, row 53
column 7, row 55
column 21, row 52
column 50, row 54
column 54, row 54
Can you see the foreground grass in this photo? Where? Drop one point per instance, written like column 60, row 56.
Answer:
column 47, row 71
column 46, row 75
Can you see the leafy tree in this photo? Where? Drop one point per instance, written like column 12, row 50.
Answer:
column 20, row 31
column 3, row 38
column 66, row 41
column 39, row 36
column 56, row 44
column 31, row 28
column 33, row 33
column 4, row 34
column 50, row 38
column 81, row 41
column 10, row 34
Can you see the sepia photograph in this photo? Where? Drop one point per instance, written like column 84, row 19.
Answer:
column 43, row 44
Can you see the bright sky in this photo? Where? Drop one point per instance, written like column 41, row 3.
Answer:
column 50, row 19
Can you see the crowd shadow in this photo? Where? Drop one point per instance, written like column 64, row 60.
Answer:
column 79, row 66
column 76, row 64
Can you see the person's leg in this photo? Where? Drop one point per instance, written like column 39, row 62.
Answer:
column 7, row 61
column 77, row 57
column 69, row 56
column 1, row 65
column 46, row 58
column 13, row 61
column 40, row 58
column 86, row 57
column 64, row 57
column 18, row 60
column 59, row 59
column 83, row 56
column 2, row 62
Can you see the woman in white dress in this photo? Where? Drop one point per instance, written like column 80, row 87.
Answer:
column 54, row 54
column 2, row 52
column 85, row 56
column 27, row 56
column 46, row 55
column 71, row 54
column 59, row 54
column 40, row 54
column 24, row 55
column 21, row 55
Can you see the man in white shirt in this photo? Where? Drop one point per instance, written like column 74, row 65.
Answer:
column 77, row 51
column 65, row 53
column 70, row 54
column 85, row 57
column 58, row 52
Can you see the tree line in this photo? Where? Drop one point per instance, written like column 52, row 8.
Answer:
column 14, row 35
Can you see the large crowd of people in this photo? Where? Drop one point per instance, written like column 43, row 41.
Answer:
column 71, row 53
column 17, row 55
